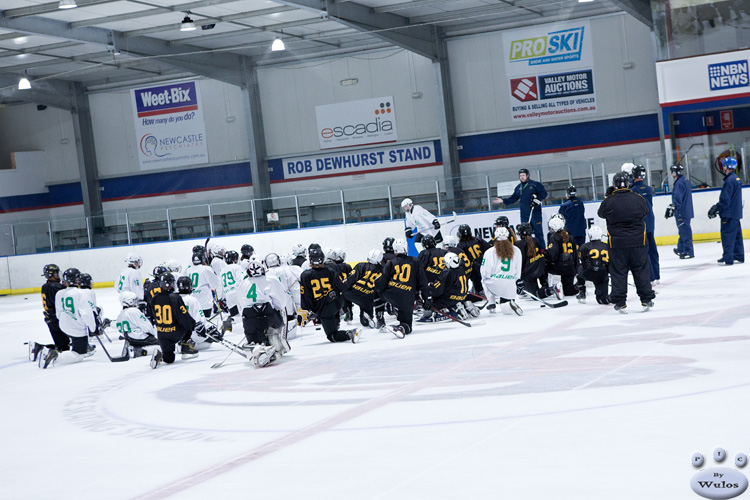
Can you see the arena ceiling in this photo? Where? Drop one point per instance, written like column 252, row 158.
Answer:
column 104, row 44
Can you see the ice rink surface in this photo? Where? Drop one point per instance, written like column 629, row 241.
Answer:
column 579, row 402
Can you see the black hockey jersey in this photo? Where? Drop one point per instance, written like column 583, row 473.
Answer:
column 474, row 250
column 49, row 291
column 171, row 315
column 402, row 278
column 316, row 285
column 593, row 256
column 561, row 255
column 361, row 281
column 463, row 257
column 431, row 260
column 449, row 288
column 532, row 267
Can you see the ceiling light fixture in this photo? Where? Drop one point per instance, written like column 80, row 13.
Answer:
column 278, row 44
column 24, row 83
column 67, row 4
column 187, row 24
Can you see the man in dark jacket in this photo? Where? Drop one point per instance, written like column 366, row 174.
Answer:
column 530, row 195
column 729, row 209
column 682, row 210
column 643, row 189
column 575, row 216
column 624, row 212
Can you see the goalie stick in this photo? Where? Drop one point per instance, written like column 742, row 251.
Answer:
column 553, row 305
column 441, row 313
column 233, row 348
column 114, row 360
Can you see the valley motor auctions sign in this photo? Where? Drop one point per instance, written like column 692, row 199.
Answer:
column 169, row 126
column 356, row 123
column 550, row 70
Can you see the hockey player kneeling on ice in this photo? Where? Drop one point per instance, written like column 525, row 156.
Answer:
column 402, row 278
column 593, row 266
column 261, row 298
column 76, row 319
column 289, row 280
column 139, row 332
column 561, row 254
column 431, row 258
column 448, row 292
column 130, row 278
column 361, row 289
column 205, row 282
column 534, row 266
column 231, row 276
column 501, row 268
column 204, row 332
column 87, row 284
column 174, row 325
column 321, row 290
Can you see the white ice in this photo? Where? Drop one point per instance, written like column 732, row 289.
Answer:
column 577, row 403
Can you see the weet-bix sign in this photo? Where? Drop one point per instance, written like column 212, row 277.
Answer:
column 728, row 75
column 166, row 99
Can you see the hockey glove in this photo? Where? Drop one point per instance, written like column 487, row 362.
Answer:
column 713, row 212
column 535, row 201
column 427, row 304
column 48, row 317
column 213, row 333
column 407, row 232
column 436, row 224
column 520, row 286
column 670, row 211
column 223, row 305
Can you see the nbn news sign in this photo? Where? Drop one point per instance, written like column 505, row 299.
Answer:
column 728, row 75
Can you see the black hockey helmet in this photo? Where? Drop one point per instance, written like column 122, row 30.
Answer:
column 525, row 229
column 199, row 248
column 638, row 172
column 247, row 251
column 523, row 171
column 185, row 285
column 158, row 271
column 388, row 244
column 317, row 257
column 85, row 281
column 167, row 282
column 313, row 245
column 428, row 241
column 502, row 221
column 572, row 192
column 621, row 180
column 231, row 257
column 199, row 258
column 71, row 277
column 464, row 232
column 677, row 168
column 51, row 270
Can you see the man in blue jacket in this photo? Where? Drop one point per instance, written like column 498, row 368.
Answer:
column 575, row 216
column 682, row 210
column 643, row 189
column 730, row 210
column 530, row 193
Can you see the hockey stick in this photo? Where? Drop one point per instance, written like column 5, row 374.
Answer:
column 553, row 305
column 455, row 216
column 114, row 360
column 485, row 299
column 441, row 313
column 233, row 348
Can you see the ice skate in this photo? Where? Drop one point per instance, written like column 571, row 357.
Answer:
column 368, row 321
column 515, row 308
column 156, row 359
column 622, row 309
column 396, row 330
column 187, row 349
column 47, row 358
column 353, row 335
column 34, row 349
column 262, row 355
column 581, row 296
column 492, row 309
column 647, row 305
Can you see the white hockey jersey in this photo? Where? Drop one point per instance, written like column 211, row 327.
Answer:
column 194, row 310
column 261, row 290
column 132, row 321
column 289, row 280
column 74, row 312
column 231, row 277
column 130, row 280
column 499, row 275
column 204, row 281
column 218, row 265
column 421, row 219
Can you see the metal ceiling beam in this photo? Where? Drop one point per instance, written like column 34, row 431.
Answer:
column 639, row 9
column 248, row 31
column 217, row 65
column 43, row 8
column 147, row 12
column 52, row 93
column 37, row 49
column 395, row 7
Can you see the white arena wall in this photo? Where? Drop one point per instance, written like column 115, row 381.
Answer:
column 21, row 274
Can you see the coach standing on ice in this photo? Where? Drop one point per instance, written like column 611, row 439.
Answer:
column 729, row 209
column 624, row 212
column 530, row 193
column 682, row 210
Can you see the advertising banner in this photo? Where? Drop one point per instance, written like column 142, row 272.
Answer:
column 360, row 161
column 169, row 126
column 357, row 123
column 550, row 70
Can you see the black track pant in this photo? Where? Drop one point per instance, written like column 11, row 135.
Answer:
column 635, row 260
column 257, row 319
column 61, row 340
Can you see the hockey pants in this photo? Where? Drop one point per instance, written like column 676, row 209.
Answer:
column 634, row 259
column 257, row 319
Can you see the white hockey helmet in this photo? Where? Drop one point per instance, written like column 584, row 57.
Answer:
column 627, row 167
column 217, row 250
column 340, row 254
column 375, row 256
column 595, row 233
column 173, row 266
column 255, row 268
column 286, row 259
column 450, row 241
column 298, row 249
column 451, row 260
column 133, row 259
column 407, row 202
column 272, row 260
column 399, row 246
column 556, row 223
column 502, row 233
column 330, row 254
column 128, row 299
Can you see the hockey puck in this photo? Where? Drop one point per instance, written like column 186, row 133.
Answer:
column 317, row 328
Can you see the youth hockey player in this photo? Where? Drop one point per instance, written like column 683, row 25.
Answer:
column 339, row 260
column 76, row 319
column 431, row 258
column 247, row 252
column 729, row 209
column 448, row 292
column 290, row 284
column 502, row 221
column 299, row 253
column 130, row 279
column 681, row 209
column 138, row 331
column 388, row 249
column 151, row 288
column 204, row 332
column 86, row 287
column 360, row 285
column 320, row 289
column 231, row 276
column 529, row 194
column 174, row 325
column 500, row 269
column 534, row 266
column 205, row 283
column 420, row 219
column 593, row 265
column 262, row 300
column 402, row 278
column 216, row 252
column 49, row 291
column 575, row 216
column 473, row 247
column 561, row 254
column 638, row 173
